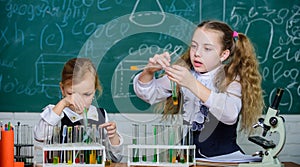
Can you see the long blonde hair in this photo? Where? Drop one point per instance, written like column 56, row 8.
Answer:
column 242, row 63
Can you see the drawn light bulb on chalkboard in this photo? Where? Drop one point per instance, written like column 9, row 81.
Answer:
column 147, row 18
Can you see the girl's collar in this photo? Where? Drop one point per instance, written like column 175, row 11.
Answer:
column 74, row 117
column 208, row 73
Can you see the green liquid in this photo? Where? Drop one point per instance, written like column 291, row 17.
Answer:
column 135, row 159
column 99, row 159
column 86, row 156
column 190, row 158
column 55, row 160
column 144, row 158
column 135, row 152
column 182, row 160
column 155, row 158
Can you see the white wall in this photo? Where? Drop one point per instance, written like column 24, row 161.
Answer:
column 290, row 152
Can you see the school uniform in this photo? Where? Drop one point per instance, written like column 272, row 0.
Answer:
column 95, row 116
column 214, row 122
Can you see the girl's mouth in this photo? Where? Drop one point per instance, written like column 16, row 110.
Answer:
column 197, row 63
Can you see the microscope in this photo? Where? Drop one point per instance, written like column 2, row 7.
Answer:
column 272, row 123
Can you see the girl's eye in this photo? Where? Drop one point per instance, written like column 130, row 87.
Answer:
column 193, row 46
column 88, row 94
column 208, row 49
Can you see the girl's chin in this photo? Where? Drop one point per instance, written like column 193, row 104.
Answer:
column 200, row 69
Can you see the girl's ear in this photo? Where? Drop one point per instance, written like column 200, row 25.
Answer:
column 61, row 86
column 225, row 55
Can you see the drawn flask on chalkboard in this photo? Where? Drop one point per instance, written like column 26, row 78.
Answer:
column 146, row 18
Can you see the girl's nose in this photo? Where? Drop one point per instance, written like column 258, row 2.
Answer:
column 197, row 53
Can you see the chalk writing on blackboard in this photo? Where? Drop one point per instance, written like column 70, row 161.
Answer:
column 174, row 26
column 36, row 37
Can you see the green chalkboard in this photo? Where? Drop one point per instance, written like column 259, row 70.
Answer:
column 38, row 37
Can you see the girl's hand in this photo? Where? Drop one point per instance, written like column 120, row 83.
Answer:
column 111, row 130
column 75, row 102
column 158, row 62
column 182, row 76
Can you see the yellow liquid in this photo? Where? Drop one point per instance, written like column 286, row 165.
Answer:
column 175, row 101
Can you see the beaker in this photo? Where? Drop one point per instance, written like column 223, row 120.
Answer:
column 144, row 16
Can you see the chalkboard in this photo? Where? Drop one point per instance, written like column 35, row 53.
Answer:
column 38, row 37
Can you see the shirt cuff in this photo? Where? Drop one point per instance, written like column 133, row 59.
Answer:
column 209, row 101
column 144, row 85
column 116, row 148
column 50, row 116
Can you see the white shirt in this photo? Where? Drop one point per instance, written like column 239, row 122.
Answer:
column 224, row 106
column 49, row 117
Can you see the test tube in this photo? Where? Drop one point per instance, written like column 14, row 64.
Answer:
column 93, row 157
column 56, row 140
column 144, row 141
column 171, row 136
column 174, row 93
column 69, row 140
column 190, row 140
column 178, row 137
column 101, row 141
column 76, row 134
column 81, row 133
column 76, row 140
column 99, row 156
column 101, row 135
column 155, row 127
column 47, row 140
column 69, row 134
column 56, row 134
column 135, row 141
column 94, row 133
column 93, row 153
column 159, row 135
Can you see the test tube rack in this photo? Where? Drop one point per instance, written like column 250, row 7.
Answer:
column 27, row 159
column 73, row 147
column 189, row 158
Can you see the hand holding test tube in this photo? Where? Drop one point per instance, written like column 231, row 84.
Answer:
column 141, row 67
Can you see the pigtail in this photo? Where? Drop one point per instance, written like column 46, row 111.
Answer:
column 245, row 64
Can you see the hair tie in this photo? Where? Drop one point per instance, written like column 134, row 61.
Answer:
column 235, row 35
